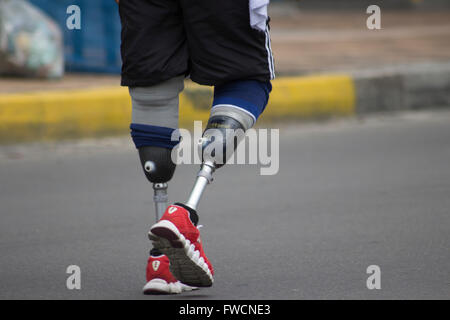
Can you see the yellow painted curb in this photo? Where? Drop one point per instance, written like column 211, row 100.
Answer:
column 311, row 97
column 103, row 111
column 61, row 114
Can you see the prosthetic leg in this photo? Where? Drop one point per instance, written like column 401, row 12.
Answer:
column 236, row 107
column 159, row 169
column 176, row 234
column 154, row 118
column 220, row 134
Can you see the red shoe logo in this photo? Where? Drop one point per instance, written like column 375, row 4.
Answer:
column 155, row 265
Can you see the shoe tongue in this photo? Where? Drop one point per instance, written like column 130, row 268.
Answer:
column 192, row 213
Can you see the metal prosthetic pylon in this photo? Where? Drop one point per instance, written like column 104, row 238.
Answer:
column 204, row 177
column 160, row 198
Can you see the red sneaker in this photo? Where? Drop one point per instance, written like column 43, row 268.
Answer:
column 176, row 236
column 159, row 278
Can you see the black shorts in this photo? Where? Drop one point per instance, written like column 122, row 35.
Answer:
column 210, row 40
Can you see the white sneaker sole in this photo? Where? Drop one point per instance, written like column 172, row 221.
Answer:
column 161, row 286
column 185, row 262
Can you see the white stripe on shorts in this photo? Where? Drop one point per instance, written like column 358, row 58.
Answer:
column 269, row 54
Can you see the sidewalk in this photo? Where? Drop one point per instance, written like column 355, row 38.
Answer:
column 329, row 50
column 312, row 41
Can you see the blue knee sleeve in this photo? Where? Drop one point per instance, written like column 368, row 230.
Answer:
column 146, row 135
column 249, row 95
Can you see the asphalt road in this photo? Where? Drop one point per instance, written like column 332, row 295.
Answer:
column 349, row 194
